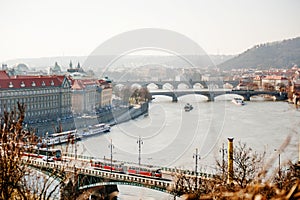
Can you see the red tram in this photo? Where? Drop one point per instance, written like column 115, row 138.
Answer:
column 55, row 154
column 127, row 168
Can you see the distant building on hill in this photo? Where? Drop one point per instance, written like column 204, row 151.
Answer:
column 76, row 69
column 275, row 81
column 56, row 70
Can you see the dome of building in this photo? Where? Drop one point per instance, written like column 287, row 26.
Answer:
column 22, row 67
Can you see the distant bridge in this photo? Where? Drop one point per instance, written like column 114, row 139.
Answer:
column 212, row 93
column 175, row 84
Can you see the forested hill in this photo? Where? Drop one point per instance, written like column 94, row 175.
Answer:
column 281, row 54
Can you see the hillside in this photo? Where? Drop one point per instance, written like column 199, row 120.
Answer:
column 281, row 54
column 172, row 61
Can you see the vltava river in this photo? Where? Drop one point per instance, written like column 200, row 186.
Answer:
column 170, row 135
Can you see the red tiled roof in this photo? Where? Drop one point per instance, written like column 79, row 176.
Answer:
column 7, row 82
column 3, row 75
column 80, row 84
column 273, row 77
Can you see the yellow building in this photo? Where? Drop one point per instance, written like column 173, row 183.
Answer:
column 88, row 95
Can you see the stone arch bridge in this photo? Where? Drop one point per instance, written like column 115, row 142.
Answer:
column 211, row 94
column 88, row 177
column 175, row 84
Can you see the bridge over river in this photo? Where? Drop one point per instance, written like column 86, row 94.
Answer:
column 89, row 177
column 212, row 93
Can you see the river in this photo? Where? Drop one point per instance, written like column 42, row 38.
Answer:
column 170, row 135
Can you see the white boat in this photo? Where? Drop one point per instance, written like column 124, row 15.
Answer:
column 269, row 98
column 238, row 101
column 60, row 138
column 188, row 107
column 95, row 129
column 263, row 98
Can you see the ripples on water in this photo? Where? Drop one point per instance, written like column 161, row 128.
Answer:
column 170, row 135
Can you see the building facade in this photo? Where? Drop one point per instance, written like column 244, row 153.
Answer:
column 275, row 81
column 47, row 98
column 85, row 96
column 88, row 95
column 105, row 89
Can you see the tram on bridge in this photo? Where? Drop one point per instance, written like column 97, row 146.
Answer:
column 132, row 169
column 54, row 154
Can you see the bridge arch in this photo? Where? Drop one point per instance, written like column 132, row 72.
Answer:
column 198, row 86
column 136, row 86
column 170, row 96
column 227, row 97
column 197, row 97
column 182, row 86
column 120, row 85
column 212, row 86
column 168, row 86
column 152, row 86
column 228, row 86
column 160, row 187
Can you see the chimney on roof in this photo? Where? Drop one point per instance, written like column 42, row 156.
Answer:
column 4, row 66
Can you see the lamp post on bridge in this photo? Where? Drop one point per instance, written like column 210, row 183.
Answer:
column 279, row 170
column 47, row 141
column 223, row 151
column 197, row 157
column 111, row 146
column 140, row 142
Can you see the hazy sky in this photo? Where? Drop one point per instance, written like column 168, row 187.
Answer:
column 35, row 28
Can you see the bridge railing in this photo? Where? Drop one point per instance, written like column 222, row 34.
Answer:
column 56, row 165
column 187, row 172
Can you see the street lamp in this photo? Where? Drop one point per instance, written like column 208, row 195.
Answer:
column 111, row 146
column 75, row 138
column 47, row 141
column 223, row 151
column 197, row 157
column 279, row 170
column 140, row 142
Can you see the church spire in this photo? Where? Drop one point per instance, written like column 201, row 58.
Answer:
column 71, row 65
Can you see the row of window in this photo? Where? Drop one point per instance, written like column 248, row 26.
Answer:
column 5, row 93
column 31, row 99
column 36, row 100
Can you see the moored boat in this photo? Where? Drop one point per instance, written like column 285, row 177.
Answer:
column 269, row 97
column 95, row 130
column 60, row 138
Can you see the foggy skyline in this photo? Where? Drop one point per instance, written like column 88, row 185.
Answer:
column 32, row 29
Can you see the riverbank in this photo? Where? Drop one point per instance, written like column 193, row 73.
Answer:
column 127, row 115
column 111, row 117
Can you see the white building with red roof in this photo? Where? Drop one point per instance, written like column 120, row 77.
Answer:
column 45, row 97
column 274, row 80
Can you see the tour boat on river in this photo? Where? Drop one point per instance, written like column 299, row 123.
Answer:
column 188, row 107
column 238, row 101
column 95, row 130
